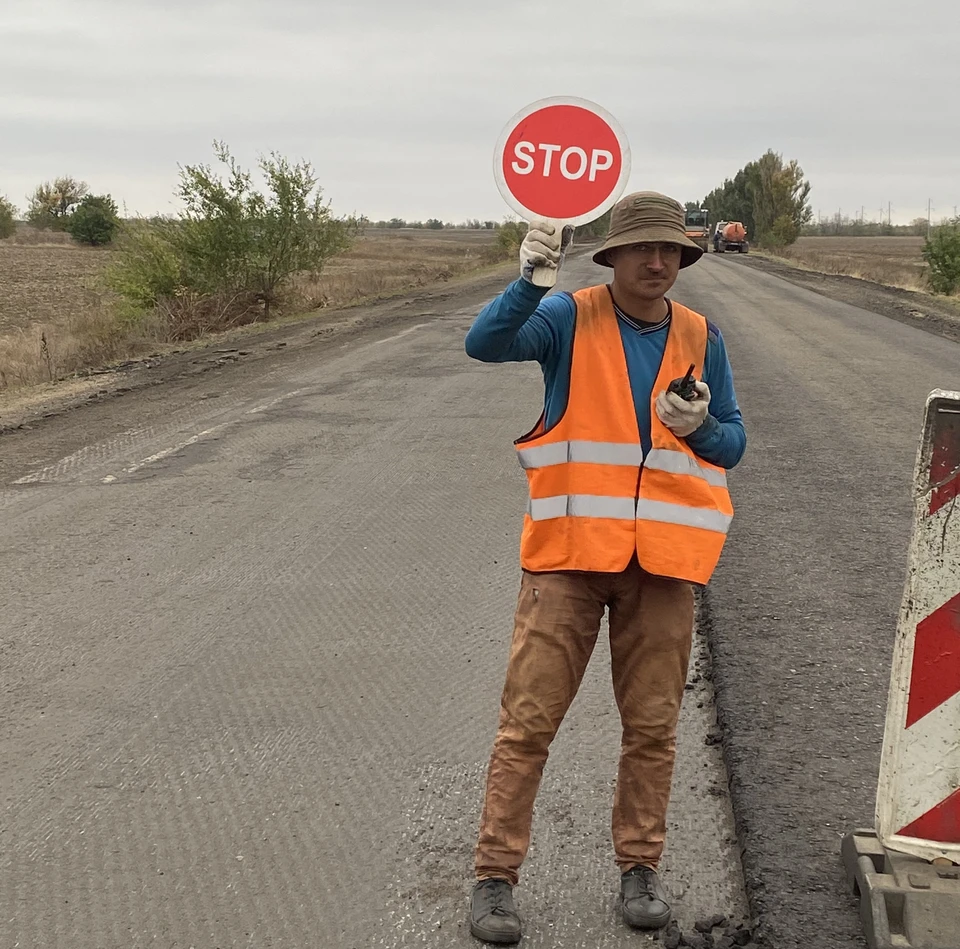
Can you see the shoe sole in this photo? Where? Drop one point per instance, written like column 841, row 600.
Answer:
column 487, row 935
column 657, row 922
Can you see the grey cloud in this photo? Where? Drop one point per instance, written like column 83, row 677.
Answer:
column 399, row 104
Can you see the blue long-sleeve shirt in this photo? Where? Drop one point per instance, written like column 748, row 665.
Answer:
column 522, row 325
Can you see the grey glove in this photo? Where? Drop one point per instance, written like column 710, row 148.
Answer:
column 681, row 417
column 544, row 247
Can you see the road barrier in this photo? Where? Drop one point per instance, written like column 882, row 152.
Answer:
column 905, row 871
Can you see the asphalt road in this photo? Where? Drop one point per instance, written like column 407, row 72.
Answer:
column 255, row 625
column 252, row 646
column 802, row 612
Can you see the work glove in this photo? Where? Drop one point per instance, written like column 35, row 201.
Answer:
column 682, row 417
column 543, row 247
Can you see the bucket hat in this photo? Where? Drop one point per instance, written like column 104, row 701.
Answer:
column 648, row 217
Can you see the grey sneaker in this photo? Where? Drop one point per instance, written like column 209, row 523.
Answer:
column 643, row 900
column 493, row 917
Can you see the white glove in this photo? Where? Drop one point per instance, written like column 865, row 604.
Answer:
column 682, row 417
column 543, row 247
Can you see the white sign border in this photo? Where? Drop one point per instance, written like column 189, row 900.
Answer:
column 618, row 130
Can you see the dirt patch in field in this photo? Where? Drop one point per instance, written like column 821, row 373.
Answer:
column 891, row 261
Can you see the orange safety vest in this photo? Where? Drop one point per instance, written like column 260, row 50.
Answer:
column 594, row 499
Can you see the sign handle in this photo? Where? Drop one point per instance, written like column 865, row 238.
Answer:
column 547, row 276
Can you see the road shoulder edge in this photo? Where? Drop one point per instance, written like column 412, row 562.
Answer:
column 911, row 307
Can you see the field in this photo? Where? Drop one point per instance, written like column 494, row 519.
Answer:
column 894, row 261
column 56, row 318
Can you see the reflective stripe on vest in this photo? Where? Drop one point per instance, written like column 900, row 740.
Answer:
column 683, row 515
column 679, row 462
column 600, row 453
column 582, row 505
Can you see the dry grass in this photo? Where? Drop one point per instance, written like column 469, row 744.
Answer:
column 53, row 318
column 387, row 262
column 32, row 236
column 894, row 261
column 56, row 319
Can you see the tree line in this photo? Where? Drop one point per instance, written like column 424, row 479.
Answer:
column 768, row 196
column 843, row 225
column 65, row 205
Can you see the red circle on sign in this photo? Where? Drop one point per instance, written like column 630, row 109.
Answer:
column 562, row 161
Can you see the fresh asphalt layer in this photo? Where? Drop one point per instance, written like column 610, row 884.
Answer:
column 256, row 623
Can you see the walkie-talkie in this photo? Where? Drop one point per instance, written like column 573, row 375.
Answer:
column 686, row 387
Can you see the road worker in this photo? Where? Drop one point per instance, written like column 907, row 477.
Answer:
column 628, row 511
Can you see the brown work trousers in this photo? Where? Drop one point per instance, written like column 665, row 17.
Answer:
column 556, row 627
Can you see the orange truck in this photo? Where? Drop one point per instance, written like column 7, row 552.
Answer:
column 732, row 236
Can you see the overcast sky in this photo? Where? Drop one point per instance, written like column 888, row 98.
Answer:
column 399, row 103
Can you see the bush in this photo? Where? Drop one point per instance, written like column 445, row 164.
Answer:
column 8, row 218
column 233, row 247
column 510, row 235
column 95, row 220
column 146, row 268
column 941, row 251
column 784, row 232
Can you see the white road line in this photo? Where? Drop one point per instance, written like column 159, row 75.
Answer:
column 193, row 439
column 160, row 455
column 50, row 473
column 88, row 453
column 257, row 409
column 408, row 330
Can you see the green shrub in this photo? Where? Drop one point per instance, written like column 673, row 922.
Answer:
column 783, row 233
column 8, row 218
column 94, row 221
column 510, row 235
column 146, row 268
column 941, row 251
column 233, row 246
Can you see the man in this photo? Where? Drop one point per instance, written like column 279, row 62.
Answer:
column 628, row 509
column 716, row 235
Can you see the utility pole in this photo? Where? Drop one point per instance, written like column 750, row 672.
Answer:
column 888, row 214
column 929, row 210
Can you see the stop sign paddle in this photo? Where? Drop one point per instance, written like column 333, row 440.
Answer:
column 563, row 160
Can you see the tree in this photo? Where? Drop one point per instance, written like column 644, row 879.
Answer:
column 941, row 251
column 731, row 201
column 783, row 232
column 769, row 197
column 231, row 241
column 596, row 228
column 435, row 224
column 778, row 193
column 51, row 203
column 8, row 218
column 95, row 220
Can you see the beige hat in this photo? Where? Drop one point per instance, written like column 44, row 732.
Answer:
column 648, row 217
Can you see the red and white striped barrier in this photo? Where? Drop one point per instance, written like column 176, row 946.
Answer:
column 918, row 796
